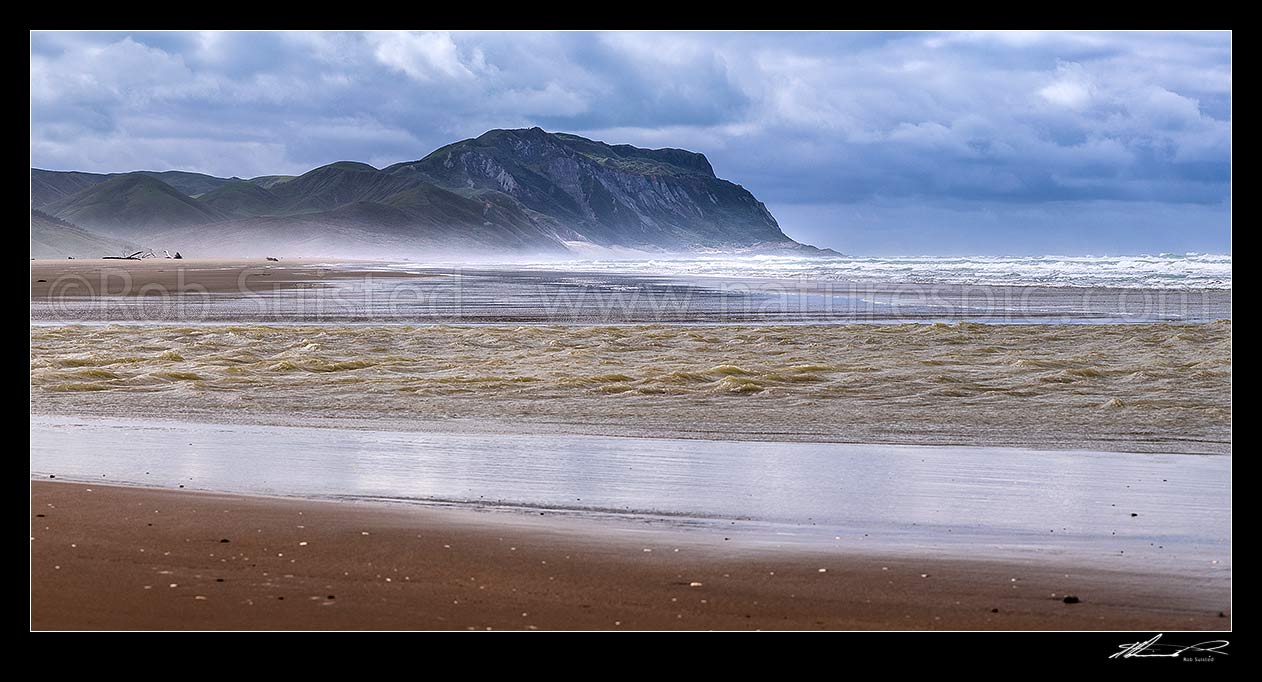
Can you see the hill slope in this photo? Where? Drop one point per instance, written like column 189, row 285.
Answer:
column 241, row 199
column 53, row 238
column 50, row 186
column 131, row 205
column 192, row 184
column 425, row 219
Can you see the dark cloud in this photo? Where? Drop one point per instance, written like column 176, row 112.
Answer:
column 1017, row 120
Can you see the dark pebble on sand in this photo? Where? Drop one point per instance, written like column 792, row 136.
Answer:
column 181, row 486
column 224, row 540
column 40, row 515
column 51, row 476
column 994, row 610
column 1071, row 600
column 281, row 598
column 1221, row 614
column 330, row 596
column 218, row 580
column 1134, row 514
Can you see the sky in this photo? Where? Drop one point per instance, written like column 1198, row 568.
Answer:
column 987, row 143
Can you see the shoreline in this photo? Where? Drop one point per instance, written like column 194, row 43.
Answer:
column 1129, row 511
column 95, row 548
column 491, row 427
column 347, row 291
column 343, row 267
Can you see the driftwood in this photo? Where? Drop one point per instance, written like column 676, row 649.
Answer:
column 139, row 255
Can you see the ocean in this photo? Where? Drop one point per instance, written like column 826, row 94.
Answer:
column 755, row 290
column 1162, row 271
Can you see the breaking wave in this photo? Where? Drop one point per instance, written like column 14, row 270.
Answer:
column 1164, row 271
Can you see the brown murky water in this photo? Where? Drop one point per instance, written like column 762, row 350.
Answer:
column 1140, row 387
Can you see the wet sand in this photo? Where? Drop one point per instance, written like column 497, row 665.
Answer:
column 1127, row 512
column 132, row 558
column 84, row 277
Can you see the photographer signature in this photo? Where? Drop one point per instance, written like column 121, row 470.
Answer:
column 1151, row 649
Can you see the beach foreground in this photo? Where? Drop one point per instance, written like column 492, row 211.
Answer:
column 132, row 558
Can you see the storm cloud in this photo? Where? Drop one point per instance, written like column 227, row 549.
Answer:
column 865, row 142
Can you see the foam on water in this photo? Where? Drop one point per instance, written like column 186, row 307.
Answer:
column 1163, row 271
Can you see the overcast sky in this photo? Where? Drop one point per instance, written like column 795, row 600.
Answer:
column 870, row 143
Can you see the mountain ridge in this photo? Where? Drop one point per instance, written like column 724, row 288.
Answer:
column 510, row 191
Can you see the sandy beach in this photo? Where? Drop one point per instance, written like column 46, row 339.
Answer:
column 250, row 355
column 130, row 558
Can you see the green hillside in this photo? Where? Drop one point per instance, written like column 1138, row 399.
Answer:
column 128, row 205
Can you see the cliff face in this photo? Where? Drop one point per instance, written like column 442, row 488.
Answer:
column 510, row 191
column 610, row 195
